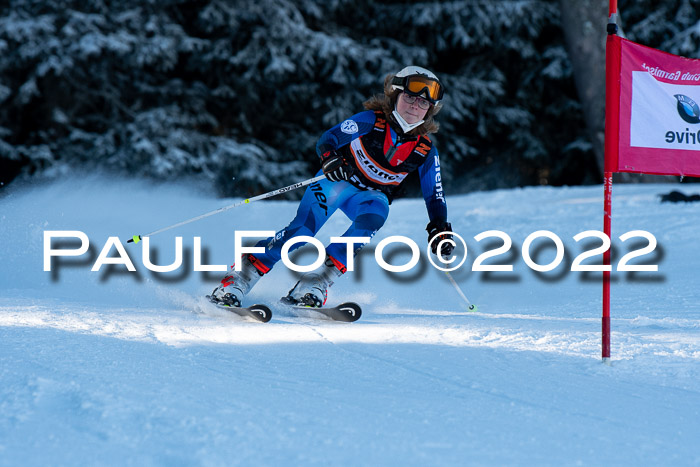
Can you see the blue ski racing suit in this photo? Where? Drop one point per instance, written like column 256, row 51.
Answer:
column 380, row 159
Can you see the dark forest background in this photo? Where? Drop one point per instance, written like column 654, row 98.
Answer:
column 236, row 93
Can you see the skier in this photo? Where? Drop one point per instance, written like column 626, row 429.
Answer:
column 365, row 159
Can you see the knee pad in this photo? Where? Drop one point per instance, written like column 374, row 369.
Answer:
column 369, row 222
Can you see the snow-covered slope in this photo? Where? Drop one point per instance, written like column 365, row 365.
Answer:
column 113, row 367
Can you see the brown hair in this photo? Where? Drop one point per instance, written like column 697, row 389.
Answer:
column 387, row 102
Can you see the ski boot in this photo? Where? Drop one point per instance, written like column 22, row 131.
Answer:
column 312, row 289
column 236, row 285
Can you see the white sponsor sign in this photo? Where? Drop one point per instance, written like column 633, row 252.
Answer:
column 655, row 121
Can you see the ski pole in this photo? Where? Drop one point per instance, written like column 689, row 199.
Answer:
column 269, row 194
column 470, row 306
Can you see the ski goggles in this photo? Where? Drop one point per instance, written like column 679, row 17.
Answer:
column 416, row 85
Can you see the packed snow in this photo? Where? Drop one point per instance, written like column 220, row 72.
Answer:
column 117, row 367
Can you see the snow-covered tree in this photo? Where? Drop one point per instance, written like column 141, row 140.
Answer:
column 238, row 92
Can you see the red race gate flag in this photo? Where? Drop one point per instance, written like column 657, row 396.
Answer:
column 652, row 124
column 658, row 117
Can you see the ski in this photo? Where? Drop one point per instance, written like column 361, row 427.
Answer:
column 347, row 312
column 258, row 312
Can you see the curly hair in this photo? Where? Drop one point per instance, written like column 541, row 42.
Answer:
column 387, row 103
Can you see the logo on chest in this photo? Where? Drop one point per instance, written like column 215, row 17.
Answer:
column 371, row 169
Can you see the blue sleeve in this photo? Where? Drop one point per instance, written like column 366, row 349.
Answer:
column 431, row 184
column 343, row 133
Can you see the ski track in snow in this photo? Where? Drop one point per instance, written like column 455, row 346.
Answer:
column 113, row 368
column 569, row 336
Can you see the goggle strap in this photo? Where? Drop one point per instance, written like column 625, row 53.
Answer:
column 398, row 81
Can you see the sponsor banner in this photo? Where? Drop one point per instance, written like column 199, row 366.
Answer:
column 659, row 114
column 371, row 169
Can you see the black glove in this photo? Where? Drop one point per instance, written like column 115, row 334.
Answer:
column 334, row 167
column 440, row 230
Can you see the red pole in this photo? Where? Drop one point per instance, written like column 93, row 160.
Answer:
column 606, row 261
column 612, row 119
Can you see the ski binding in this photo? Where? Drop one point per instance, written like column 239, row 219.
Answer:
column 347, row 312
column 258, row 312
